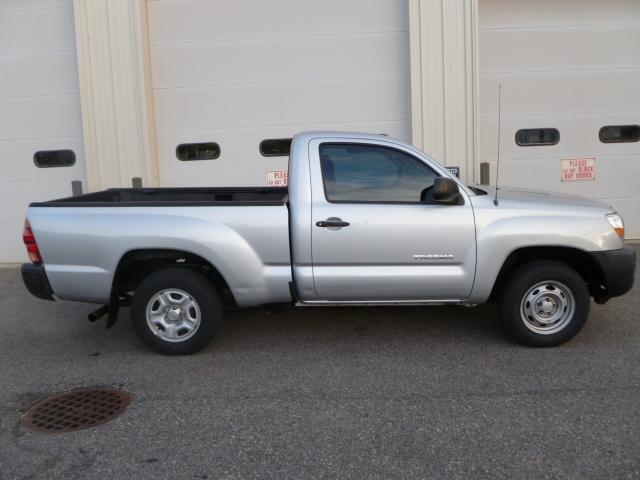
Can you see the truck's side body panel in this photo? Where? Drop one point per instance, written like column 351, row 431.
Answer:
column 82, row 246
column 390, row 251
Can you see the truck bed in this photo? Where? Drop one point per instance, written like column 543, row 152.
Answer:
column 149, row 197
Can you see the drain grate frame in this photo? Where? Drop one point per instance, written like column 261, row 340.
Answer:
column 76, row 410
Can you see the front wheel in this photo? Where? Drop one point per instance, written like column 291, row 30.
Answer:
column 176, row 311
column 544, row 304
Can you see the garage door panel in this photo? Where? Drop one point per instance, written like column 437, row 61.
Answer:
column 281, row 104
column 16, row 160
column 239, row 75
column 179, row 21
column 559, row 48
column 579, row 135
column 8, row 6
column 40, row 117
column 545, row 174
column 549, row 93
column 16, row 196
column 250, row 177
column 39, row 110
column 270, row 60
column 570, row 65
column 240, row 148
column 514, row 14
column 12, row 249
column 54, row 31
column 38, row 74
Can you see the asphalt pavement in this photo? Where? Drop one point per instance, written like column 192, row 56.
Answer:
column 436, row 392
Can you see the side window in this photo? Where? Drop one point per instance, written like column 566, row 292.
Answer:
column 369, row 173
column 275, row 147
column 535, row 137
column 54, row 158
column 620, row 133
column 197, row 151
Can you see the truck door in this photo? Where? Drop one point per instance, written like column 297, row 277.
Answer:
column 372, row 238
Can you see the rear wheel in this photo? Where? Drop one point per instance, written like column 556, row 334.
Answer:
column 176, row 311
column 545, row 303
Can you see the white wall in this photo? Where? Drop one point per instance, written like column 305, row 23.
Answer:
column 39, row 110
column 236, row 74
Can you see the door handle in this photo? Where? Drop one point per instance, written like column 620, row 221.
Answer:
column 332, row 222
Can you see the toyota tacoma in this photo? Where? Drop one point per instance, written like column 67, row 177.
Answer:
column 365, row 220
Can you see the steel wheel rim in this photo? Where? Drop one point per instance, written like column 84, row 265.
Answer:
column 173, row 315
column 547, row 307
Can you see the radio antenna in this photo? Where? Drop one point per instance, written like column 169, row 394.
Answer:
column 495, row 199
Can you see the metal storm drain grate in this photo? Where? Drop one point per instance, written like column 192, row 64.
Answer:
column 76, row 410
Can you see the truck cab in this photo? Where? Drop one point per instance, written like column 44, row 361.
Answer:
column 366, row 227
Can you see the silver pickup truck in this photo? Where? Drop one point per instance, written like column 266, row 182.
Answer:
column 365, row 220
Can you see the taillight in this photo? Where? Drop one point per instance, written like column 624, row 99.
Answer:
column 29, row 240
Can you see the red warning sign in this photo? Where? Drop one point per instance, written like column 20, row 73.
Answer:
column 576, row 169
column 277, row 178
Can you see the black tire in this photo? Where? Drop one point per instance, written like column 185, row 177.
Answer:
column 198, row 289
column 516, row 314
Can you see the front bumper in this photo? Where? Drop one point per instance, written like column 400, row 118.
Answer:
column 35, row 279
column 618, row 268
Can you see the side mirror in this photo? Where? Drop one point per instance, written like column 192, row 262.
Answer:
column 446, row 192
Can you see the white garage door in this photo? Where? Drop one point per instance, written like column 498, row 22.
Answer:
column 237, row 73
column 39, row 112
column 567, row 70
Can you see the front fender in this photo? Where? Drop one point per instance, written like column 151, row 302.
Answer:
column 502, row 233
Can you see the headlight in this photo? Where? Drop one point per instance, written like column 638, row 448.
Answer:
column 616, row 222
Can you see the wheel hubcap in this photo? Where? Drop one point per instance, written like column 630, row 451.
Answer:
column 547, row 307
column 173, row 315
